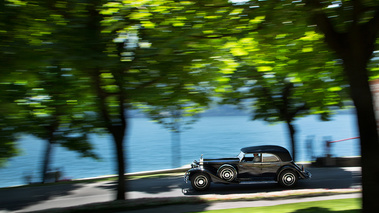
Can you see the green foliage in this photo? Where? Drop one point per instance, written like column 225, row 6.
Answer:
column 56, row 109
column 84, row 63
column 166, row 57
column 40, row 92
column 8, row 142
column 172, row 65
column 343, row 205
column 285, row 68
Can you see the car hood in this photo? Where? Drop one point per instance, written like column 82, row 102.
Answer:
column 221, row 160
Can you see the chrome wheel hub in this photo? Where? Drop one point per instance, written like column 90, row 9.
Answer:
column 289, row 179
column 201, row 181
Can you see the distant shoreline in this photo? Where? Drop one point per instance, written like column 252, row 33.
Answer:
column 227, row 110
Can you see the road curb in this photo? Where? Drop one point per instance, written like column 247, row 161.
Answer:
column 288, row 194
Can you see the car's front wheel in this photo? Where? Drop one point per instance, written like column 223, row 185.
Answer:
column 288, row 178
column 200, row 181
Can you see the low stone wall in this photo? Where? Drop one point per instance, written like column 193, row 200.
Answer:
column 338, row 161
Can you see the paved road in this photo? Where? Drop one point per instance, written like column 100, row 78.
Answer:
column 53, row 196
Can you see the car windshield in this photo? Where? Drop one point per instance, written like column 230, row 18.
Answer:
column 241, row 155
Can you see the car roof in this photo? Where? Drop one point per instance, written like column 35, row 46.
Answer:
column 278, row 150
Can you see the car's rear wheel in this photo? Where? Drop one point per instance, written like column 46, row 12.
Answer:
column 288, row 178
column 200, row 181
column 227, row 172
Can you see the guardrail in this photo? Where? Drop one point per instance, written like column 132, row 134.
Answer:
column 328, row 144
column 328, row 160
column 346, row 139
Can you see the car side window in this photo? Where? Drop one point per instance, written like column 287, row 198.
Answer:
column 252, row 157
column 267, row 157
column 249, row 157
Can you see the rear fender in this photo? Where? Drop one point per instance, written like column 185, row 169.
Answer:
column 288, row 168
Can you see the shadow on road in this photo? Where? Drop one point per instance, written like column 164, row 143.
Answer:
column 322, row 178
column 178, row 208
column 13, row 199
column 150, row 185
column 16, row 199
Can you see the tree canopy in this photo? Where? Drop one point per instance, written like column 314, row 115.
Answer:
column 285, row 76
column 65, row 60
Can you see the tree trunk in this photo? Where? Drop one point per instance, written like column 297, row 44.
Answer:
column 292, row 131
column 175, row 149
column 363, row 101
column 46, row 160
column 355, row 46
column 116, row 124
column 118, row 133
column 175, row 138
column 356, row 53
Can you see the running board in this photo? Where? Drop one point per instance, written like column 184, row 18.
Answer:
column 257, row 182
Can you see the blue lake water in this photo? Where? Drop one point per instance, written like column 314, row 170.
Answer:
column 148, row 146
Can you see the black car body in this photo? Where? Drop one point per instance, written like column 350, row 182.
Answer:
column 256, row 163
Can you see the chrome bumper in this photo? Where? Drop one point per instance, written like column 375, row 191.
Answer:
column 186, row 177
column 307, row 174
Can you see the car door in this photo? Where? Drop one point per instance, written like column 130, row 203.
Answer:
column 250, row 166
column 270, row 165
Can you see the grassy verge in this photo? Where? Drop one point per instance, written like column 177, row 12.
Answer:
column 144, row 203
column 329, row 206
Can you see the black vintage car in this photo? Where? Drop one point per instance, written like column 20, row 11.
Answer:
column 256, row 163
